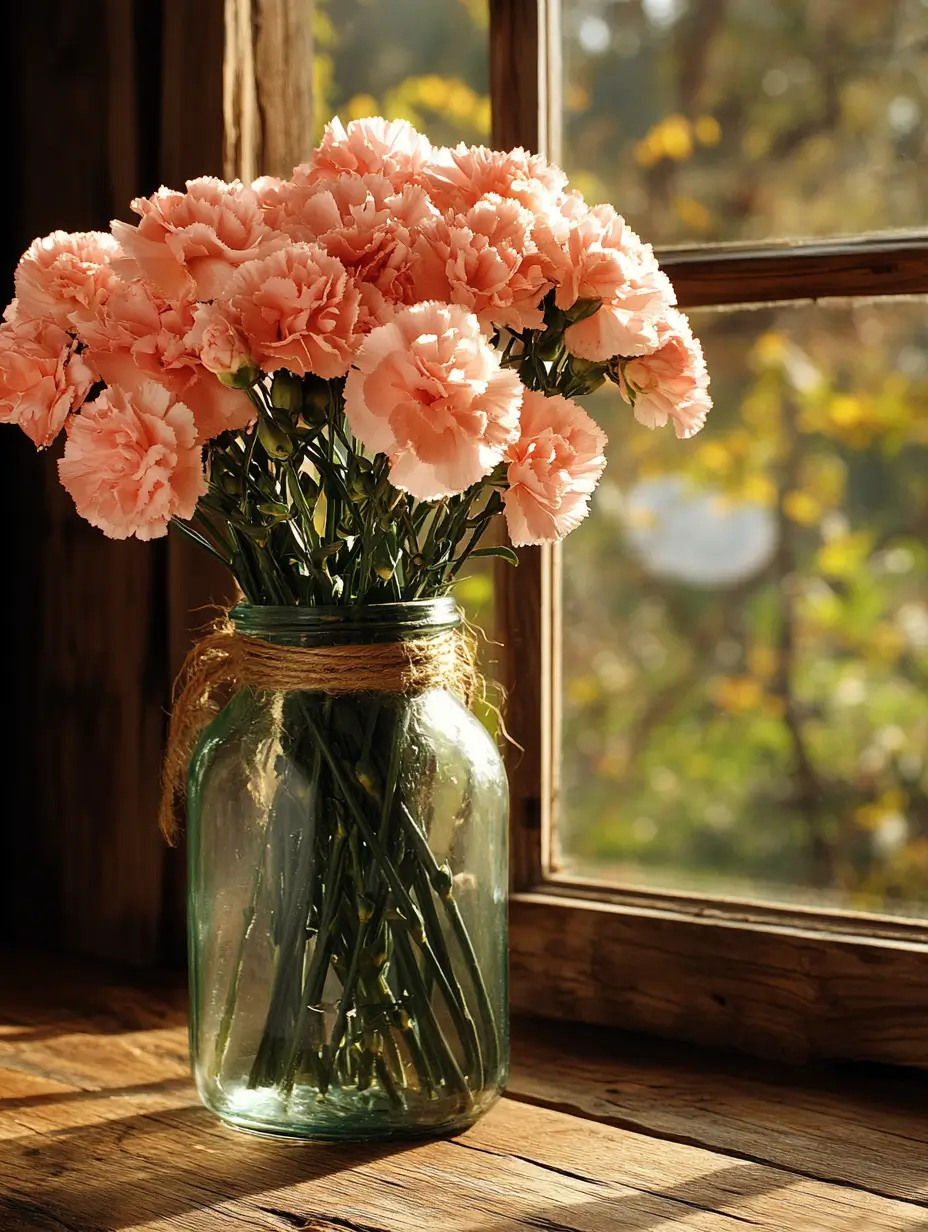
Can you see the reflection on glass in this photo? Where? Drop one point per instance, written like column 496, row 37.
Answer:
column 746, row 624
column 748, row 119
column 414, row 60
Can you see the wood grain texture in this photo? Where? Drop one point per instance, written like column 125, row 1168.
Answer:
column 100, row 1130
column 850, row 1125
column 517, row 29
column 774, row 991
column 86, row 680
column 192, row 139
column 517, row 56
column 524, row 638
column 742, row 274
column 191, row 90
column 268, row 86
column 99, row 626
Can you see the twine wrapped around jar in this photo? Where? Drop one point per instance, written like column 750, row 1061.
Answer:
column 226, row 659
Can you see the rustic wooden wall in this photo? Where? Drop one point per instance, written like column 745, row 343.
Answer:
column 105, row 99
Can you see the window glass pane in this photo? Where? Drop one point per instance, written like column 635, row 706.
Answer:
column 749, row 119
column 405, row 59
column 745, row 687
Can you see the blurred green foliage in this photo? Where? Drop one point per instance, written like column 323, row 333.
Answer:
column 762, row 732
column 416, row 60
column 748, row 119
column 767, row 734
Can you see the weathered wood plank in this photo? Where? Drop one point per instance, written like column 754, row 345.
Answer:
column 852, row 1125
column 155, row 1161
column 516, row 42
column 784, row 992
column 518, row 94
column 268, row 86
column 891, row 264
column 100, row 1130
column 86, row 683
column 191, row 144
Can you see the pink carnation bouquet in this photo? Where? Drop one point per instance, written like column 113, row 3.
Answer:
column 395, row 337
column 335, row 383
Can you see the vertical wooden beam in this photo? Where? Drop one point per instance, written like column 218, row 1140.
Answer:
column 192, row 142
column 82, row 865
column 520, row 68
column 268, row 86
column 516, row 97
column 192, row 120
column 192, row 137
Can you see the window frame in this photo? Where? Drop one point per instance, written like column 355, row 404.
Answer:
column 792, row 983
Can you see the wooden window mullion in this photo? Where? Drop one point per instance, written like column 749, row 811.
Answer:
column 776, row 273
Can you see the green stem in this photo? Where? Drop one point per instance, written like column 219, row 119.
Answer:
column 351, row 978
column 195, row 537
column 228, row 1013
column 444, row 1061
column 450, row 987
column 438, row 878
column 295, row 908
column 463, row 1022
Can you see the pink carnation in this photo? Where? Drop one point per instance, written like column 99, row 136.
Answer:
column 297, row 309
column 61, row 272
column 485, row 260
column 673, row 382
column 553, row 468
column 43, row 378
column 592, row 254
column 269, row 189
column 391, row 148
column 363, row 220
column 220, row 343
column 428, row 391
column 191, row 243
column 458, row 178
column 132, row 463
column 136, row 335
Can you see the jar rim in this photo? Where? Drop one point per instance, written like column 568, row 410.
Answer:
column 393, row 621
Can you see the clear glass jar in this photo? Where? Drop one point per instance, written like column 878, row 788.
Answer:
column 348, row 883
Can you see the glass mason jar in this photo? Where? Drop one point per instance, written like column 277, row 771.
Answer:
column 348, row 882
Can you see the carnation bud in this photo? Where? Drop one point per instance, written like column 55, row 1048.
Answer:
column 384, row 560
column 241, row 378
column 276, row 442
column 549, row 344
column 230, row 483
column 316, row 397
column 287, row 391
column 358, row 489
column 443, row 881
column 588, row 375
column 583, row 367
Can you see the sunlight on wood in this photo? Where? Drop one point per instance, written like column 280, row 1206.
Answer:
column 100, row 1130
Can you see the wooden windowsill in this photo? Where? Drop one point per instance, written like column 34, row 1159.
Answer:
column 100, row 1130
